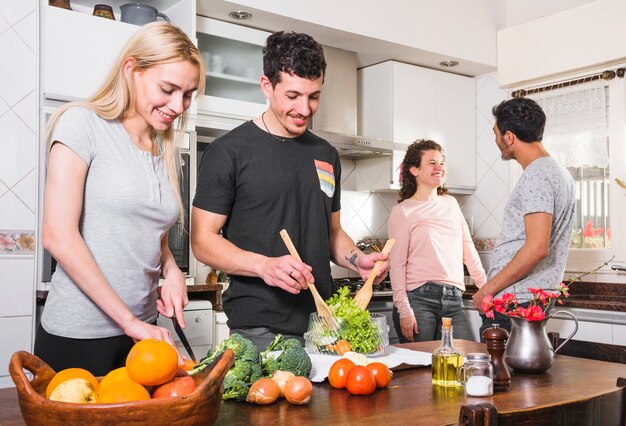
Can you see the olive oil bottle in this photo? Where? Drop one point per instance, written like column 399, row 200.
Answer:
column 446, row 359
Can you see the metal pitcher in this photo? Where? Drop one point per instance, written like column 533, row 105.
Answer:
column 529, row 349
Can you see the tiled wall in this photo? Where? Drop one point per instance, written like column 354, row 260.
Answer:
column 19, row 48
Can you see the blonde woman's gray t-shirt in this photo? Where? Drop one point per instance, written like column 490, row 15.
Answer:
column 546, row 187
column 128, row 206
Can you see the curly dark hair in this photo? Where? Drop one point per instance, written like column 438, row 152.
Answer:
column 521, row 116
column 413, row 157
column 293, row 53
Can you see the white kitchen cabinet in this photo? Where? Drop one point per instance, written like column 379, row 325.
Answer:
column 402, row 103
column 234, row 59
column 221, row 328
column 79, row 49
column 380, row 174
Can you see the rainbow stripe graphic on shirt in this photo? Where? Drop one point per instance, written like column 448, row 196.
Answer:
column 326, row 175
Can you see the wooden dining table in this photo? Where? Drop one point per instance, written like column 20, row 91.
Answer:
column 410, row 399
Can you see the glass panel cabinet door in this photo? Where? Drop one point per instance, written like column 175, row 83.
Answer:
column 234, row 63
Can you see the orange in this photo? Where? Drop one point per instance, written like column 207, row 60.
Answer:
column 123, row 390
column 113, row 376
column 188, row 365
column 152, row 362
column 71, row 373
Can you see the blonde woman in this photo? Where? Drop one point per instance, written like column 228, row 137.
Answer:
column 111, row 196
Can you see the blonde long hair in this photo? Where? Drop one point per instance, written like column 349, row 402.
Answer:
column 154, row 44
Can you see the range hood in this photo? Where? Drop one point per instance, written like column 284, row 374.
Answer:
column 357, row 147
column 336, row 116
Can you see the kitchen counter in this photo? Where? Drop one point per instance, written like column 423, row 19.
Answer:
column 586, row 295
column 210, row 292
column 411, row 396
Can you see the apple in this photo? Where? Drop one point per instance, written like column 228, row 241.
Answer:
column 181, row 385
column 76, row 390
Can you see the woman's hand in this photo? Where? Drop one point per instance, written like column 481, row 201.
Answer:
column 139, row 330
column 173, row 295
column 408, row 326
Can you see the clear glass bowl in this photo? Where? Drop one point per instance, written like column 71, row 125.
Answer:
column 321, row 336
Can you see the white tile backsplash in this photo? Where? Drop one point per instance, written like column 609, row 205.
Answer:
column 26, row 29
column 4, row 25
column 14, row 214
column 27, row 111
column 18, row 80
column 26, row 190
column 16, row 334
column 19, row 149
column 17, row 286
column 15, row 11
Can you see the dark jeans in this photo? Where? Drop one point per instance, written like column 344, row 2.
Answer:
column 430, row 303
column 98, row 356
column 262, row 336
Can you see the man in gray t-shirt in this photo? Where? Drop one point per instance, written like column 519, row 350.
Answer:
column 531, row 250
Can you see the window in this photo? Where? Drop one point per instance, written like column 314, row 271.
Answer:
column 577, row 136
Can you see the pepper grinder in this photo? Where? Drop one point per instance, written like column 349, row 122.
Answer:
column 496, row 339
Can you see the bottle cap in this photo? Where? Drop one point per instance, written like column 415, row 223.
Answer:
column 478, row 356
column 495, row 333
column 446, row 322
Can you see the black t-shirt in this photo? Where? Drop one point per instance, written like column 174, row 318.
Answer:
column 264, row 185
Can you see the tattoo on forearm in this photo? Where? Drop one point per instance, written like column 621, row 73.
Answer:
column 352, row 259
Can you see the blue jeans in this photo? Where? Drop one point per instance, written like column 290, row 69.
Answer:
column 431, row 302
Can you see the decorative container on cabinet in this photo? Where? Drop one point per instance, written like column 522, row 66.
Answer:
column 78, row 49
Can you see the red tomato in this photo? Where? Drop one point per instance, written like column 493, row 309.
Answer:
column 360, row 381
column 381, row 373
column 339, row 373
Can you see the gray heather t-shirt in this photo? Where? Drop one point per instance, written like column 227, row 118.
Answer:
column 128, row 206
column 546, row 187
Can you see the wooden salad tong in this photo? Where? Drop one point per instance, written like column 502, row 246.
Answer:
column 323, row 311
column 364, row 295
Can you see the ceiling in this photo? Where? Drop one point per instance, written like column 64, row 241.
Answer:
column 369, row 50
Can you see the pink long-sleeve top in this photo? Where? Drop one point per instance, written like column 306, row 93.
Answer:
column 432, row 244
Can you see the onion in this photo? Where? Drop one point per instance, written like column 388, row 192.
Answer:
column 263, row 392
column 299, row 390
column 281, row 378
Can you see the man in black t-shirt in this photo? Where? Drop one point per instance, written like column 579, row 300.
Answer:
column 265, row 175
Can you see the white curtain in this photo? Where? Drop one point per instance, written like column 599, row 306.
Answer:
column 576, row 124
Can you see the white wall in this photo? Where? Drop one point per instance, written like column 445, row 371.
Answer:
column 18, row 177
column 575, row 40
column 522, row 11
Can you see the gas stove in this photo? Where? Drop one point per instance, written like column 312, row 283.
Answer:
column 354, row 284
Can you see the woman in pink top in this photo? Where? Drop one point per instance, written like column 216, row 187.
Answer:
column 432, row 244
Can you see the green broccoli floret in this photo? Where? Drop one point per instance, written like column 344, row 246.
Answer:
column 242, row 348
column 245, row 370
column 234, row 388
column 293, row 358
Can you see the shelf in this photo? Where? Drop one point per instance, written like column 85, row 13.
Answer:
column 230, row 77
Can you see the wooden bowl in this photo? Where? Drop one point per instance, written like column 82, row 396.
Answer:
column 201, row 407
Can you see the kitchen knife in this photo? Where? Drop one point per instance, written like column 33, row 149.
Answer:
column 183, row 339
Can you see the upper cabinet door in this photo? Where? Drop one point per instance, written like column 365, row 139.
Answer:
column 234, row 63
column 402, row 103
column 79, row 49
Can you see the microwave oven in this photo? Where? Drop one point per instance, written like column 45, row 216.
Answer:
column 179, row 241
